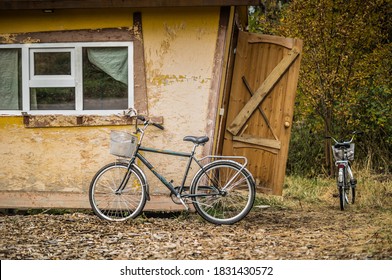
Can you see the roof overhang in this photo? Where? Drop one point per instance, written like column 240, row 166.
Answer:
column 87, row 4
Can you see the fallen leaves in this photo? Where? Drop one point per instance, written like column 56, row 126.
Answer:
column 266, row 233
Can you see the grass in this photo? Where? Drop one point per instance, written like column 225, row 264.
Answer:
column 373, row 191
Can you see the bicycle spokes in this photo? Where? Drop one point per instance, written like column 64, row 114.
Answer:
column 223, row 193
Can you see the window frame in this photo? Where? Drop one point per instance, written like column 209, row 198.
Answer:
column 74, row 80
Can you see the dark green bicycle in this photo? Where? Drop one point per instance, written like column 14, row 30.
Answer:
column 222, row 191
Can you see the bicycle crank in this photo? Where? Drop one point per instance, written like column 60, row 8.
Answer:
column 175, row 198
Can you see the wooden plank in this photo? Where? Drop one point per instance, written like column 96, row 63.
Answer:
column 287, row 114
column 217, row 76
column 121, row 34
column 260, row 108
column 265, row 39
column 261, row 92
column 41, row 121
column 68, row 200
column 140, row 84
column 239, row 145
column 227, row 72
column 269, row 143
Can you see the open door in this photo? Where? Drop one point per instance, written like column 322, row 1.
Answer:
column 259, row 109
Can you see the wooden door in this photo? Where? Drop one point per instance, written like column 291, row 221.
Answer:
column 259, row 110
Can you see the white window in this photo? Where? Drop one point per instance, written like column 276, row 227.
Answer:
column 69, row 78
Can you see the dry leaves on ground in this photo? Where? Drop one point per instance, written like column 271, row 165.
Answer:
column 272, row 233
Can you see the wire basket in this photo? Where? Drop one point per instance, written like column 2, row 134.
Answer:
column 338, row 153
column 122, row 144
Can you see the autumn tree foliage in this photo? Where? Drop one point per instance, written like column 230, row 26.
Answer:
column 345, row 80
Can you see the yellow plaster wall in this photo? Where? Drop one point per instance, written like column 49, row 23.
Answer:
column 179, row 47
column 49, row 159
column 179, row 59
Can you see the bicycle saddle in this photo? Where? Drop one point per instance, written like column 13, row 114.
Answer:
column 196, row 140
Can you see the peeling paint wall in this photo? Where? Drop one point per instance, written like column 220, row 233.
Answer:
column 49, row 159
column 179, row 60
column 179, row 47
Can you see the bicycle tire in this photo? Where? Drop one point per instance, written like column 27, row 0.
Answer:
column 236, row 200
column 349, row 189
column 341, row 187
column 352, row 194
column 342, row 200
column 112, row 206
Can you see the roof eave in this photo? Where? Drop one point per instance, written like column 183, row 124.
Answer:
column 89, row 4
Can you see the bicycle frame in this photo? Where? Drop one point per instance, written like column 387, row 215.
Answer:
column 222, row 190
column 346, row 165
column 168, row 184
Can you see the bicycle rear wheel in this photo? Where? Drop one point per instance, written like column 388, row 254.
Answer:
column 349, row 189
column 223, row 193
column 346, row 190
column 110, row 203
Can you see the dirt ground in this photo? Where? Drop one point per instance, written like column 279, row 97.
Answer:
column 266, row 233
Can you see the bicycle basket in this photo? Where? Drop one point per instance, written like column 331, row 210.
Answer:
column 338, row 154
column 122, row 144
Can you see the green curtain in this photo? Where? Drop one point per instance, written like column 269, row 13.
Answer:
column 113, row 61
column 9, row 88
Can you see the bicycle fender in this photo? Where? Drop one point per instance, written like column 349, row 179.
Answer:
column 242, row 167
column 141, row 173
column 221, row 161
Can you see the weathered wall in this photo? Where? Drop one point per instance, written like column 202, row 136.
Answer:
column 179, row 60
column 179, row 47
column 49, row 159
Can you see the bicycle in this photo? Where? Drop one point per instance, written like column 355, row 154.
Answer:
column 222, row 191
column 343, row 152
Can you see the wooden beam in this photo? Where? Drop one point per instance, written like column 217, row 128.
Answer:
column 41, row 121
column 217, row 75
column 239, row 145
column 71, row 36
column 95, row 4
column 278, row 40
column 269, row 143
column 140, row 84
column 262, row 92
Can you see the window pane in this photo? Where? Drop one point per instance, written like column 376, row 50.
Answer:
column 52, row 98
column 105, row 78
column 10, row 79
column 52, row 63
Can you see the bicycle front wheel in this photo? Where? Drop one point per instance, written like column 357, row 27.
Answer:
column 223, row 193
column 111, row 203
column 343, row 200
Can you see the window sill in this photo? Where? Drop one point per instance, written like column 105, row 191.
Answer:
column 42, row 121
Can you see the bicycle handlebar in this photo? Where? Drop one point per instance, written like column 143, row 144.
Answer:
column 342, row 142
column 133, row 113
